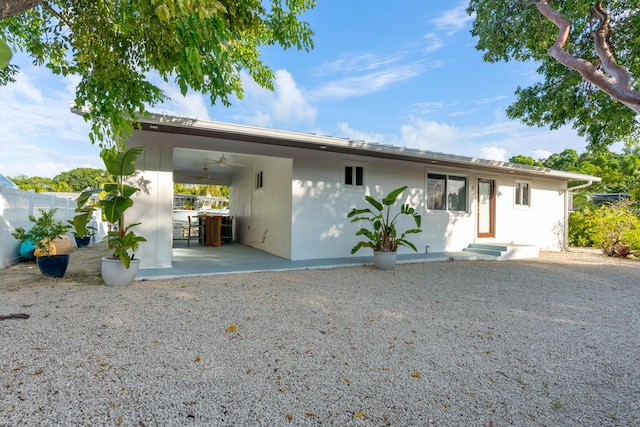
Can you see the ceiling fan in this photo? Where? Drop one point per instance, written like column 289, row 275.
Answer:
column 204, row 175
column 224, row 162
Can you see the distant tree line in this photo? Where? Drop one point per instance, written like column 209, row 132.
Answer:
column 73, row 181
column 80, row 179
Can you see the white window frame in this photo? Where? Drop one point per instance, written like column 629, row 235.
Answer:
column 517, row 194
column 447, row 175
column 354, row 166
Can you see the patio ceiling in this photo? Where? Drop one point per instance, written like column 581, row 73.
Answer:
column 192, row 166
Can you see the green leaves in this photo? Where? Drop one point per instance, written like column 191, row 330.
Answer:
column 390, row 199
column 518, row 31
column 202, row 45
column 382, row 234
column 122, row 163
column 5, row 54
column 121, row 242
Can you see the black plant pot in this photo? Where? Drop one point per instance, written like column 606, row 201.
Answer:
column 83, row 242
column 53, row 266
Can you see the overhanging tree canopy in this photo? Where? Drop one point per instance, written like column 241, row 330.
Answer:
column 113, row 45
column 589, row 55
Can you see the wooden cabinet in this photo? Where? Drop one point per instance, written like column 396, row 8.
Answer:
column 212, row 234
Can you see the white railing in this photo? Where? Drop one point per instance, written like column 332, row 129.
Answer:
column 15, row 208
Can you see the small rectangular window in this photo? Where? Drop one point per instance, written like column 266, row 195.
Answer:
column 259, row 182
column 523, row 193
column 446, row 192
column 354, row 176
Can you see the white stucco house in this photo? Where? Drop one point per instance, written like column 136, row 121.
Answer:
column 291, row 192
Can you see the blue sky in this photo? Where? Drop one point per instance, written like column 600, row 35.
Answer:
column 405, row 75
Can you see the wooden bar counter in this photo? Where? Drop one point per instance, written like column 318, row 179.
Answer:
column 212, row 225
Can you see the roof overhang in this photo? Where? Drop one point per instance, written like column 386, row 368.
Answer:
column 212, row 129
column 310, row 141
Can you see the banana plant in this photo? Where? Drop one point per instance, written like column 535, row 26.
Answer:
column 117, row 200
column 382, row 234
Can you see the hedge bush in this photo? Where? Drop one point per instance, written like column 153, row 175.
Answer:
column 615, row 228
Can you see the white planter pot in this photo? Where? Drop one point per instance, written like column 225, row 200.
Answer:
column 385, row 260
column 115, row 274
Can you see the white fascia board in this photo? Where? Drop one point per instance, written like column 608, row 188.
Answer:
column 330, row 143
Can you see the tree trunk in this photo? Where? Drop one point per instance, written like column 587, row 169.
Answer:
column 13, row 7
column 618, row 86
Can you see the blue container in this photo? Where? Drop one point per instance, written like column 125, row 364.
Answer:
column 26, row 249
column 53, row 266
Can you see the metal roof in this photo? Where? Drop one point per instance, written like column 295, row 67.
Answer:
column 205, row 128
column 213, row 129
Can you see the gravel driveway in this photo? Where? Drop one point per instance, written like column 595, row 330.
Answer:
column 553, row 341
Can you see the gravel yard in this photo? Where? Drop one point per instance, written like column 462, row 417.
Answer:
column 553, row 341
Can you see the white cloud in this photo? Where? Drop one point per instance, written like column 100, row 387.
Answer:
column 286, row 104
column 357, row 63
column 428, row 135
column 433, row 42
column 369, row 83
column 496, row 141
column 193, row 105
column 40, row 135
column 484, row 101
column 427, row 107
column 453, row 20
column 356, row 135
column 541, row 154
column 447, row 25
column 259, row 119
column 494, row 153
column 289, row 103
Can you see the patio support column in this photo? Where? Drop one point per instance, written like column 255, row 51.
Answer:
column 153, row 204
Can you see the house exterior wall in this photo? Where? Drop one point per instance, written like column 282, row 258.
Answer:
column 301, row 212
column 263, row 216
column 320, row 228
column 321, row 203
column 542, row 223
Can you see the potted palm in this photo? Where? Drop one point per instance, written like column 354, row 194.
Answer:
column 52, row 245
column 381, row 233
column 84, row 214
column 121, row 268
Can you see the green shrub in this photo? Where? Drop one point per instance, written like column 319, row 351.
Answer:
column 581, row 228
column 616, row 229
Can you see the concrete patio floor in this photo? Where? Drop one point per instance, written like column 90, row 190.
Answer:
column 198, row 260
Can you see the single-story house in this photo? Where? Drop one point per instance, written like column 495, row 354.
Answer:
column 290, row 192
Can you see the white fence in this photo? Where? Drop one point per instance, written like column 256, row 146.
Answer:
column 15, row 208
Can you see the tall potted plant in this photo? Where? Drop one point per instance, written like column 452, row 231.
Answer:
column 381, row 233
column 52, row 244
column 84, row 213
column 121, row 268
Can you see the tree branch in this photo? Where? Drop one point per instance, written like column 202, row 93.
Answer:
column 619, row 85
column 13, row 7
column 603, row 48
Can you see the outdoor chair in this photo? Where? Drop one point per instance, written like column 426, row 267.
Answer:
column 226, row 229
column 193, row 229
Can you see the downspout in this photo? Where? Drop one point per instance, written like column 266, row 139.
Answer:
column 565, row 243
